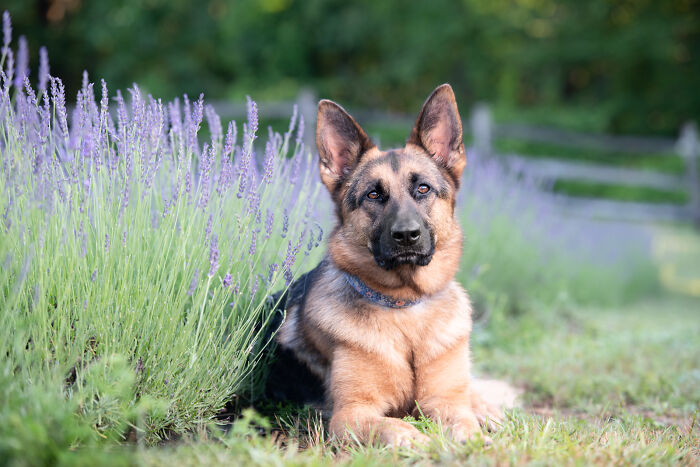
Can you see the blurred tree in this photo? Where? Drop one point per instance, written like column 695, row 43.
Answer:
column 636, row 61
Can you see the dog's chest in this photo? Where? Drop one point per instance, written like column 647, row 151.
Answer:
column 401, row 337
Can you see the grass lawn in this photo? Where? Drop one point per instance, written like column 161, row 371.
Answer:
column 603, row 386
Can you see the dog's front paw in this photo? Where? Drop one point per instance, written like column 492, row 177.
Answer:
column 463, row 429
column 403, row 436
column 487, row 414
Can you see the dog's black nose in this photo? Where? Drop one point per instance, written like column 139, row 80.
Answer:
column 406, row 232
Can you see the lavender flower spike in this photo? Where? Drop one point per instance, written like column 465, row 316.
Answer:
column 269, row 163
column 252, row 118
column 293, row 120
column 6, row 30
column 58, row 95
column 22, row 61
column 230, row 138
column 43, row 68
column 269, row 221
column 271, row 272
column 193, row 284
column 253, row 242
column 300, row 130
column 213, row 256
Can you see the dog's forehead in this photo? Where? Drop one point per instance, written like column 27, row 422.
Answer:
column 395, row 164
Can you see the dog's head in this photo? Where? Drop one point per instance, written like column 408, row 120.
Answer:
column 396, row 208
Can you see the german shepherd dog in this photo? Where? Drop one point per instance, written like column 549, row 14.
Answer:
column 380, row 328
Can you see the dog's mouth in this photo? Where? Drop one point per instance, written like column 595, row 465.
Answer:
column 395, row 260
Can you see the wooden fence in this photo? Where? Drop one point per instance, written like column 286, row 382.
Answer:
column 549, row 169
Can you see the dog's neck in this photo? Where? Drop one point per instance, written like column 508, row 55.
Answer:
column 375, row 297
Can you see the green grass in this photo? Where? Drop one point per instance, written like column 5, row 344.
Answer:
column 639, row 194
column 601, row 386
column 642, row 356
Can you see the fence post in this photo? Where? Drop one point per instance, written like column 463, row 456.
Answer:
column 307, row 101
column 481, row 125
column 688, row 147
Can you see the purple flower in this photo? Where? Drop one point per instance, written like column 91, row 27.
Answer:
column 269, row 163
column 21, row 69
column 194, row 124
column 296, row 164
column 188, row 184
column 252, row 119
column 30, row 92
column 6, row 30
column 122, row 119
column 271, row 271
column 290, row 258
column 125, row 194
column 320, row 234
column 207, row 230
column 231, row 134
column 213, row 255
column 175, row 116
column 193, row 284
column 300, row 130
column 44, row 68
column 253, row 241
column 58, row 95
column 10, row 70
column 285, row 223
column 288, row 277
column 293, row 120
column 227, row 280
column 310, row 244
column 107, row 243
column 254, row 288
column 124, row 238
column 243, row 177
column 214, row 124
column 85, row 82
column 166, row 207
column 269, row 221
column 94, row 275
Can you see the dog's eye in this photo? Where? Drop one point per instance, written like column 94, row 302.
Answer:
column 373, row 195
column 423, row 189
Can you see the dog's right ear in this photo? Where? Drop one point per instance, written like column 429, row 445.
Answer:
column 341, row 142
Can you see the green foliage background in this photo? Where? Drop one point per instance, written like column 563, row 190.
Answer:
column 634, row 65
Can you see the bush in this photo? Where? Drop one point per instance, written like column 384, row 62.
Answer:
column 136, row 262
column 520, row 252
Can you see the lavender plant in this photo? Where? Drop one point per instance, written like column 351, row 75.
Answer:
column 521, row 252
column 137, row 259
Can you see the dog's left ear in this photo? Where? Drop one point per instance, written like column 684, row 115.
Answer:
column 438, row 130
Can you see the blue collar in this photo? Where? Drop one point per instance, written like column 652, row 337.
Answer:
column 376, row 297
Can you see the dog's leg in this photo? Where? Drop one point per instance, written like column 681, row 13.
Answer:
column 366, row 424
column 489, row 398
column 444, row 392
column 365, row 389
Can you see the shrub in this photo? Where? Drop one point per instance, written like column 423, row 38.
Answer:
column 136, row 261
column 522, row 252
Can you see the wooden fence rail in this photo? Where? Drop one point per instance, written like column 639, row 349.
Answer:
column 688, row 146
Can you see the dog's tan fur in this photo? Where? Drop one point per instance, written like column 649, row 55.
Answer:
column 380, row 363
